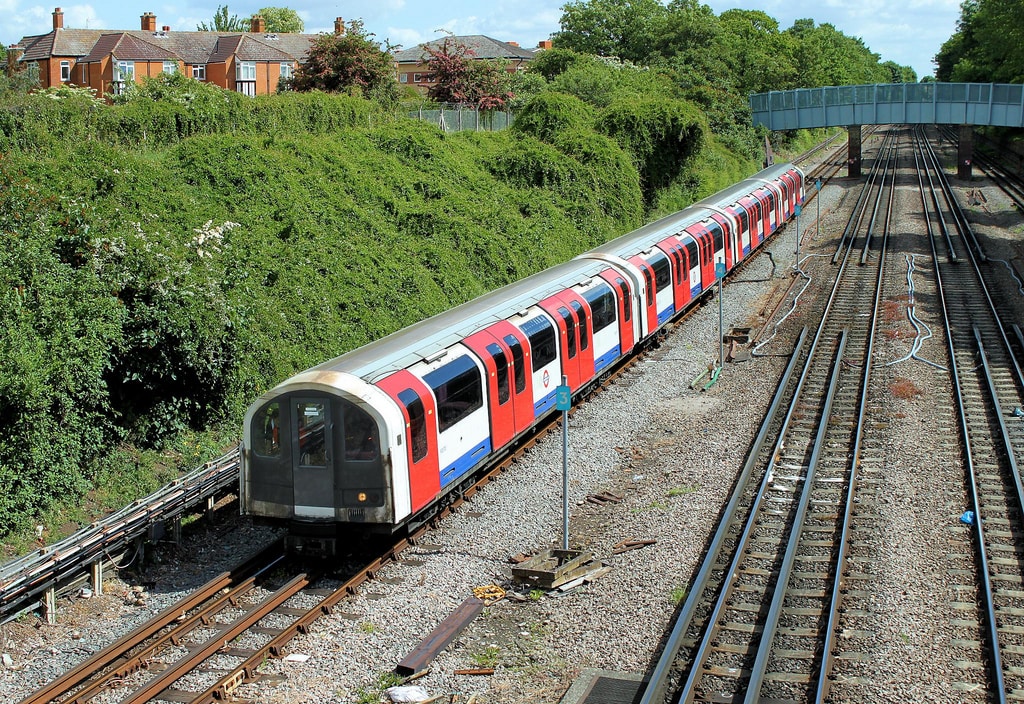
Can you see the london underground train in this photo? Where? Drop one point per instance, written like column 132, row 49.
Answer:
column 385, row 434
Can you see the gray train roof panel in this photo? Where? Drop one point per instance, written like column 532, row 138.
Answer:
column 409, row 345
column 998, row 104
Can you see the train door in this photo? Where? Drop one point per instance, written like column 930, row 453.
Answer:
column 496, row 358
column 649, row 304
column 680, row 274
column 743, row 226
column 567, row 336
column 543, row 354
column 583, row 330
column 522, row 391
column 756, row 225
column 420, row 438
column 312, row 457
column 624, row 303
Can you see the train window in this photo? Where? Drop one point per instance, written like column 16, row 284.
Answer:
column 312, row 416
column 662, row 271
column 582, row 317
column 650, row 285
column 744, row 223
column 677, row 260
column 627, row 303
column 361, row 442
column 417, row 423
column 517, row 362
column 570, row 331
column 602, row 306
column 542, row 341
column 266, row 431
column 691, row 252
column 458, row 390
column 501, row 362
column 717, row 236
column 771, row 201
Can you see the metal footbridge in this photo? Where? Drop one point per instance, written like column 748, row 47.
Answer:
column 961, row 104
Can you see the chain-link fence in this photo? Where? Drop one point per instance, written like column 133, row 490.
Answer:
column 456, row 118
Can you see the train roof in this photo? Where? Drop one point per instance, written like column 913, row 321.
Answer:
column 428, row 337
column 650, row 234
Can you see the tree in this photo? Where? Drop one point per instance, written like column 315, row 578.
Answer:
column 341, row 62
column 224, row 23
column 624, row 28
column 459, row 78
column 282, row 20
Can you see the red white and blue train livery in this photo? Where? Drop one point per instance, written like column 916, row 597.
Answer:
column 382, row 435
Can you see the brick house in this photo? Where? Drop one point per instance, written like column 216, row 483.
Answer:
column 412, row 68
column 250, row 62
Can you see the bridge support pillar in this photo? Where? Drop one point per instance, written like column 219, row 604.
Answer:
column 853, row 140
column 965, row 152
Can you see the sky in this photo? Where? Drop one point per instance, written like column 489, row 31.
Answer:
column 909, row 32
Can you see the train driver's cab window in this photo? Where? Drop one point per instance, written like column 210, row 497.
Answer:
column 360, row 435
column 266, row 431
column 311, row 419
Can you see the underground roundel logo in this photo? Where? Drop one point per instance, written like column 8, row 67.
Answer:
column 547, row 378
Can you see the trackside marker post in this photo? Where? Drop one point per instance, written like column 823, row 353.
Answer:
column 720, row 274
column 563, row 401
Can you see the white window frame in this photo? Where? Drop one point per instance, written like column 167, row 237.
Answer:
column 403, row 78
column 170, row 67
column 245, row 71
column 65, row 71
column 287, row 69
column 417, row 78
column 85, row 74
column 199, row 72
column 124, row 71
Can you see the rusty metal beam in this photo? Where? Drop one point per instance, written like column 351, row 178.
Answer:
column 440, row 637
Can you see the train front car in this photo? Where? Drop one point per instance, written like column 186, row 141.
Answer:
column 317, row 454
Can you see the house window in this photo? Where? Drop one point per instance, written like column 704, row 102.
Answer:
column 124, row 71
column 403, row 78
column 65, row 71
column 417, row 78
column 170, row 67
column 245, row 71
column 287, row 69
column 199, row 72
column 85, row 74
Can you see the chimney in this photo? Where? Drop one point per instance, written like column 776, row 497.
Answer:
column 339, row 26
column 166, row 28
column 257, row 25
column 513, row 43
column 14, row 52
column 58, row 18
column 544, row 44
column 149, row 22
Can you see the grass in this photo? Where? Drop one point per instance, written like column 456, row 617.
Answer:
column 488, row 657
column 678, row 594
column 681, row 490
column 367, row 627
column 371, row 694
column 536, row 594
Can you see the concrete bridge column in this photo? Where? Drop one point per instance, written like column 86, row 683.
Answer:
column 853, row 140
column 965, row 152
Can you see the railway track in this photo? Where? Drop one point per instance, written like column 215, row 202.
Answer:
column 987, row 386
column 761, row 612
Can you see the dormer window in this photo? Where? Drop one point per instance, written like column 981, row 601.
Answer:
column 272, row 37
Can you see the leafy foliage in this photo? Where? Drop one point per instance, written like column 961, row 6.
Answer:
column 988, row 45
column 223, row 22
column 282, row 20
column 459, row 78
column 351, row 61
